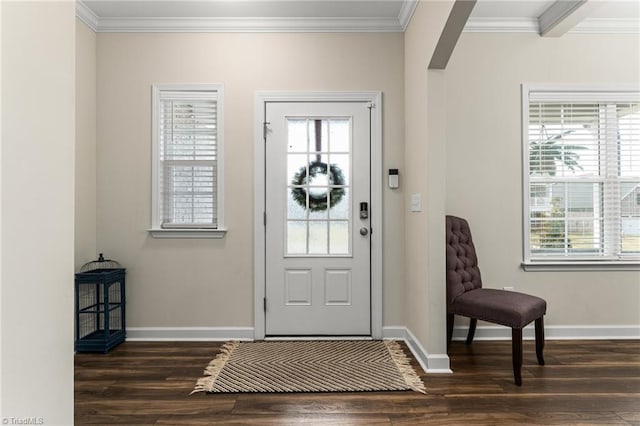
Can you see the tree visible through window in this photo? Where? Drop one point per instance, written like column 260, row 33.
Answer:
column 582, row 175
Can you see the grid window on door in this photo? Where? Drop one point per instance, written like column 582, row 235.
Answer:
column 318, row 186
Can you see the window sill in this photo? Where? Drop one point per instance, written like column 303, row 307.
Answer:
column 187, row 233
column 581, row 266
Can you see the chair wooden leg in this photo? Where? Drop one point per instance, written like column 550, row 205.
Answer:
column 540, row 339
column 472, row 330
column 516, row 349
column 450, row 321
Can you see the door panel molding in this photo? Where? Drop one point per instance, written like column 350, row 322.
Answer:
column 261, row 99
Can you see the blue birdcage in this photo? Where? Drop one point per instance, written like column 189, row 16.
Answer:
column 100, row 306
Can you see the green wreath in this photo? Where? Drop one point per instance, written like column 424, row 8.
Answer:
column 318, row 203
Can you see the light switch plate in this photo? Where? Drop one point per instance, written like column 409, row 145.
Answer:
column 416, row 203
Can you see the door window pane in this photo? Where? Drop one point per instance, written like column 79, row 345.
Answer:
column 318, row 237
column 298, row 140
column 318, row 186
column 297, row 237
column 294, row 209
column 340, row 209
column 339, row 237
column 340, row 135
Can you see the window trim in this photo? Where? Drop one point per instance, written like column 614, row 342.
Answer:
column 529, row 264
column 156, row 230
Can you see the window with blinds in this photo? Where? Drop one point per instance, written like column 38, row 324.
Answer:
column 581, row 175
column 187, row 145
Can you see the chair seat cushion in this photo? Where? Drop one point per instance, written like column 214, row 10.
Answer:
column 508, row 308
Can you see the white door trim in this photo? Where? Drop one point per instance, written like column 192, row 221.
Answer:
column 259, row 248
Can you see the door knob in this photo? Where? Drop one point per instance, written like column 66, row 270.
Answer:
column 364, row 231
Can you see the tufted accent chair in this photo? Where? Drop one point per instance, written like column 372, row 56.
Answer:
column 466, row 297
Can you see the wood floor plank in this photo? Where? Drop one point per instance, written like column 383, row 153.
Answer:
column 583, row 382
column 154, row 408
column 280, row 420
column 337, row 403
column 510, row 419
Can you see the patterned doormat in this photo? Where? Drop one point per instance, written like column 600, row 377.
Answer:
column 310, row 366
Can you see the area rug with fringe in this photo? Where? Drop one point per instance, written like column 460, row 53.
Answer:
column 310, row 366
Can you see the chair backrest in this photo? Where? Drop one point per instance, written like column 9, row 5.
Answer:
column 463, row 273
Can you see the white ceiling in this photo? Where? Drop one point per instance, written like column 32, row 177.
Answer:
column 335, row 15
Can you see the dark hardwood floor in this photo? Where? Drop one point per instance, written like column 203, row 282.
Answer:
column 583, row 382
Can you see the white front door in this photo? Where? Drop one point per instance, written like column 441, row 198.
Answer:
column 318, row 184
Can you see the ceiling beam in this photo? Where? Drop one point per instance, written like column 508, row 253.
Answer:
column 451, row 33
column 563, row 15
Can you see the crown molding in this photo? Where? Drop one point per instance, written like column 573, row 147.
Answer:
column 501, row 25
column 399, row 24
column 607, row 26
column 588, row 26
column 406, row 13
column 249, row 25
column 86, row 15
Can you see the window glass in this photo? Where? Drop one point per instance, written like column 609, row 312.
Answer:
column 582, row 171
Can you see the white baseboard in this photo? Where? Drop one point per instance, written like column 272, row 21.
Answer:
column 188, row 334
column 394, row 333
column 430, row 363
column 439, row 363
column 553, row 332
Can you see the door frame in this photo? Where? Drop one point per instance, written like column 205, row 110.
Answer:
column 259, row 245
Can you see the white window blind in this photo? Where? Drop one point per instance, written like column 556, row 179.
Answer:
column 582, row 175
column 187, row 168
